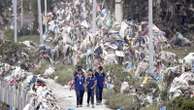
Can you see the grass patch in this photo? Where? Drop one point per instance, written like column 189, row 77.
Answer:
column 64, row 73
column 41, row 68
column 120, row 101
column 151, row 107
column 182, row 52
column 9, row 35
column 33, row 38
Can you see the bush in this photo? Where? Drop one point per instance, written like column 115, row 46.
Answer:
column 9, row 34
column 64, row 73
column 117, row 100
column 41, row 69
column 181, row 103
column 3, row 106
column 151, row 107
column 118, row 75
column 24, row 31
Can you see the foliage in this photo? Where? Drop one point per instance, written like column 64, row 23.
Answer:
column 9, row 34
column 181, row 103
column 4, row 5
column 164, row 95
column 41, row 68
column 3, row 106
column 169, row 15
column 35, row 13
column 33, row 38
column 117, row 100
column 64, row 73
column 14, row 53
column 24, row 31
column 118, row 75
column 151, row 107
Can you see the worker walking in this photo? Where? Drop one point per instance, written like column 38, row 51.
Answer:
column 91, row 84
column 79, row 80
column 100, row 76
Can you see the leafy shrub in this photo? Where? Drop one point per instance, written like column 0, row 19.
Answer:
column 64, row 73
column 3, row 106
column 9, row 34
column 42, row 67
column 118, row 75
column 117, row 100
column 151, row 107
column 181, row 103
column 24, row 31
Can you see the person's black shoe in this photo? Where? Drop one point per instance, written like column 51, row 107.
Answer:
column 93, row 106
column 88, row 105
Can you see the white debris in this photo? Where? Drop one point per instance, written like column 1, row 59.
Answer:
column 189, row 58
column 49, row 71
column 124, row 86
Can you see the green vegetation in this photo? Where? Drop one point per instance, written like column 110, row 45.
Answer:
column 9, row 34
column 33, row 38
column 151, row 107
column 64, row 73
column 181, row 103
column 122, row 101
column 182, row 52
column 41, row 68
column 3, row 106
column 117, row 72
column 114, row 99
column 4, row 10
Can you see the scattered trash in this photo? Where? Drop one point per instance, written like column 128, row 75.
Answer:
column 42, row 96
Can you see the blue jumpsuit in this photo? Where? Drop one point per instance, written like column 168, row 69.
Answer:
column 90, row 89
column 79, row 81
column 99, row 86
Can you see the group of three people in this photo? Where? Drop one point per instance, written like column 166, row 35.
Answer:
column 94, row 80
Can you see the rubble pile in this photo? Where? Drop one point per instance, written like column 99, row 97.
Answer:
column 125, row 43
column 71, row 38
column 41, row 97
column 22, row 54
column 182, row 85
column 111, row 43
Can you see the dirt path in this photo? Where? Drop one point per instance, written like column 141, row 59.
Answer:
column 66, row 98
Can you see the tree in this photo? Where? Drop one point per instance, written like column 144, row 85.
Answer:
column 4, row 8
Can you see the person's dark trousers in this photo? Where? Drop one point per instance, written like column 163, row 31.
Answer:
column 79, row 96
column 82, row 95
column 90, row 97
column 99, row 91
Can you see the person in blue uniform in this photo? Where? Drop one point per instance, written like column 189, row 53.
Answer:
column 100, row 76
column 79, row 80
column 91, row 84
